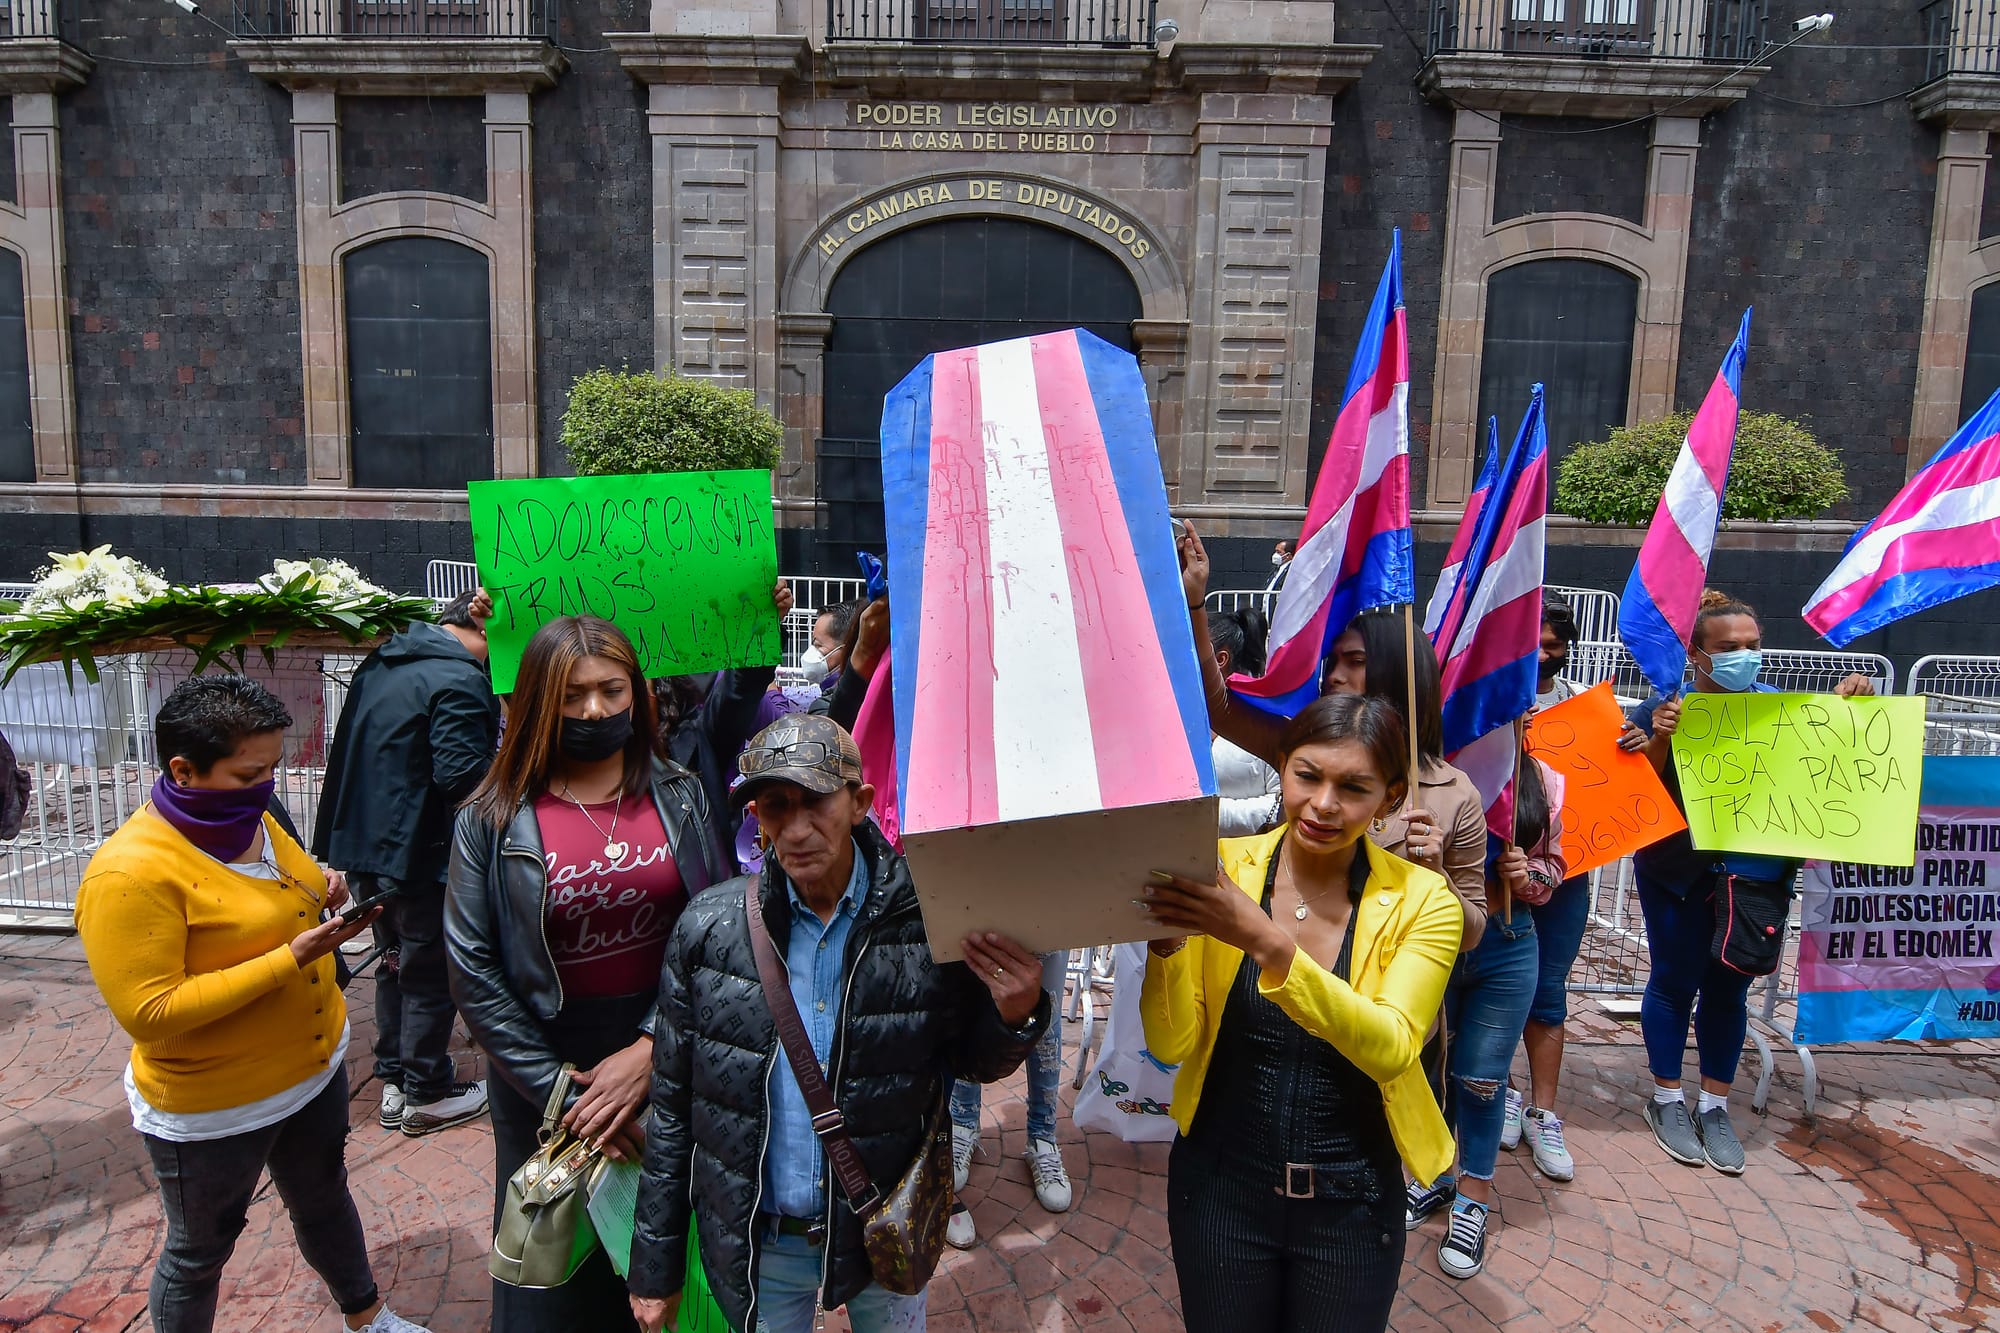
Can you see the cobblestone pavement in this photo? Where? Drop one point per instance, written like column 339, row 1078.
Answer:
column 1886, row 1215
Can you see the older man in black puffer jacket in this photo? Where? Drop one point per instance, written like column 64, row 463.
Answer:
column 731, row 1137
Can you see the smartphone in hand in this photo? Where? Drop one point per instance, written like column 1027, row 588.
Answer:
column 354, row 911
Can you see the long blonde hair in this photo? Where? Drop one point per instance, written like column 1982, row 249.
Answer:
column 530, row 749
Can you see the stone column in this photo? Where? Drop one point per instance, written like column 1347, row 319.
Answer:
column 1656, row 345
column 33, row 226
column 801, row 399
column 1475, row 158
column 511, row 238
column 1161, row 346
column 316, row 154
column 1260, row 190
column 1955, row 267
column 715, row 206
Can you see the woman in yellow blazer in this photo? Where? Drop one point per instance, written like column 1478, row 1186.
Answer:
column 1296, row 1006
column 201, row 920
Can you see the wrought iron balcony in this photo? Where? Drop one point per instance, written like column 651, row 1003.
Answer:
column 396, row 18
column 1713, row 31
column 1113, row 23
column 45, row 19
column 1963, row 37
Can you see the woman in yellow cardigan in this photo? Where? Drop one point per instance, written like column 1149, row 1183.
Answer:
column 1296, row 1012
column 201, row 921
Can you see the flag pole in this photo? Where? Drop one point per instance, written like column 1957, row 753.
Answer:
column 1506, row 889
column 1410, row 681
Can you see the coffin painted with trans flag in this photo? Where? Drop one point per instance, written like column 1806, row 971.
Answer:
column 1052, row 739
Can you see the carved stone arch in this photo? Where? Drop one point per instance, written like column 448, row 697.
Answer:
column 1162, row 289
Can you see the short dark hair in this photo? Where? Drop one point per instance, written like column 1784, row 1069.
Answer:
column 1559, row 615
column 1241, row 634
column 1353, row 717
column 206, row 718
column 458, row 611
column 1382, row 639
column 842, row 615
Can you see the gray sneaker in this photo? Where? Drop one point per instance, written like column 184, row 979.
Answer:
column 465, row 1101
column 1718, row 1141
column 1674, row 1129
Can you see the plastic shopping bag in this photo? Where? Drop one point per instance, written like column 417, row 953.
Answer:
column 1128, row 1093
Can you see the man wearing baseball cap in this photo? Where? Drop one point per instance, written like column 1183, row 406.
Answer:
column 731, row 1139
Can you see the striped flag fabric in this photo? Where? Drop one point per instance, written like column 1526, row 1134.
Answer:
column 1444, row 598
column 1937, row 540
column 1355, row 550
column 1035, row 590
column 1656, row 616
column 875, row 737
column 1489, row 661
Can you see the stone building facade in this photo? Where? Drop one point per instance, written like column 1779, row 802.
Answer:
column 218, row 218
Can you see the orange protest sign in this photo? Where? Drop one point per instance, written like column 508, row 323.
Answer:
column 1613, row 802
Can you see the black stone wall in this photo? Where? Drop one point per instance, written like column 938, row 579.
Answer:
column 593, row 216
column 413, row 143
column 1560, row 164
column 181, row 240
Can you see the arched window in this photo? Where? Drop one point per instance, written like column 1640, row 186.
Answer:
column 419, row 364
column 17, row 419
column 1567, row 323
column 1982, row 351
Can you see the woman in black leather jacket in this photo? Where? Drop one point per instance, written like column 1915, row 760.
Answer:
column 569, row 867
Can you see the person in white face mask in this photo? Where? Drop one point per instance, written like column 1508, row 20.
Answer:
column 827, row 653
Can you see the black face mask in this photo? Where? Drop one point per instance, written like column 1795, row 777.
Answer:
column 1552, row 668
column 589, row 739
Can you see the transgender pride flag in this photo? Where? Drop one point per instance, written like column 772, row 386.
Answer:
column 1035, row 591
column 1489, row 646
column 1938, row 539
column 1656, row 617
column 1444, row 598
column 1355, row 549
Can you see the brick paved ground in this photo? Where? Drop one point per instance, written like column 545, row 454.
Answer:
column 1887, row 1215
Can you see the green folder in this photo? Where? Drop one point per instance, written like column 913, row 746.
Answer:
column 613, row 1202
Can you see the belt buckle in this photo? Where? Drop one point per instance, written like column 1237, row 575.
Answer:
column 1298, row 1180
column 816, row 1234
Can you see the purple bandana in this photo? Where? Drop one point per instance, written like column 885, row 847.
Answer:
column 221, row 821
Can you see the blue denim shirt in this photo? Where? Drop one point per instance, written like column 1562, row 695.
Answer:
column 816, row 957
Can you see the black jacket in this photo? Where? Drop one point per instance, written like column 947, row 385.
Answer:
column 415, row 737
column 503, row 979
column 708, row 742
column 907, row 1026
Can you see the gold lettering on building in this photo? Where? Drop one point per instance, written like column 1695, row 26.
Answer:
column 1022, row 194
column 985, row 127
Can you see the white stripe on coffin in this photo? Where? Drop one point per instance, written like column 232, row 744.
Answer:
column 1043, row 759
column 1316, row 564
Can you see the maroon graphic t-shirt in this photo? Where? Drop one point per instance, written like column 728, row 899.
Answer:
column 612, row 899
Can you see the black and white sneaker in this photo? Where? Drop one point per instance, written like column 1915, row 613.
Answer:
column 466, row 1101
column 1424, row 1200
column 1463, row 1252
column 391, row 1116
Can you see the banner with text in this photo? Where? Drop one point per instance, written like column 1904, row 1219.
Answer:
column 1613, row 802
column 1802, row 775
column 1906, row 952
column 683, row 562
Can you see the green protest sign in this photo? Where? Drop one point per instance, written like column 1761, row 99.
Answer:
column 683, row 562
column 1802, row 775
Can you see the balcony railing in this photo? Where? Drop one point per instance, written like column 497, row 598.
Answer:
column 990, row 22
column 1718, row 31
column 396, row 18
column 1963, row 37
column 39, row 18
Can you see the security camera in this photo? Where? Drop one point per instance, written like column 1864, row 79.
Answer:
column 1813, row 23
column 1165, row 31
column 188, row 5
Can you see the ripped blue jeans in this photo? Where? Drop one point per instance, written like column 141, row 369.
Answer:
column 1044, row 1064
column 1486, row 1006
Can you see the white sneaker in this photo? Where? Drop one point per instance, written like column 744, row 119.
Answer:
column 1510, row 1129
column 388, row 1321
column 1544, row 1134
column 964, row 1143
column 958, row 1231
column 392, row 1107
column 466, row 1102
column 1045, row 1164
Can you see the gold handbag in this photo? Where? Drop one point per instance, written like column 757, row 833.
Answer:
column 545, row 1231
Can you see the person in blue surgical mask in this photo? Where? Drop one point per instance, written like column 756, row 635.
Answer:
column 1679, row 888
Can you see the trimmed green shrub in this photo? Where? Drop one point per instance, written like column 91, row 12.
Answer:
column 621, row 422
column 1779, row 471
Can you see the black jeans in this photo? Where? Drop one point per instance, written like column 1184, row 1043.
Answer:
column 413, row 1009
column 206, row 1189
column 1250, row 1258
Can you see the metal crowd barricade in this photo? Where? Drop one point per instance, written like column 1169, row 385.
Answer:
column 1232, row 599
column 446, row 579
column 1596, row 612
column 90, row 752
